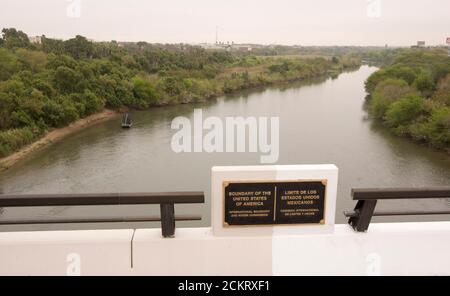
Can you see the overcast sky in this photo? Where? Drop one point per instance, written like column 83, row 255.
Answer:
column 314, row 22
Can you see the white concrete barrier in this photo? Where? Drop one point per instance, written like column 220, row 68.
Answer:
column 387, row 249
column 267, row 248
column 93, row 252
column 198, row 252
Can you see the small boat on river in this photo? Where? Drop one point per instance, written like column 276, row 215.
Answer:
column 126, row 121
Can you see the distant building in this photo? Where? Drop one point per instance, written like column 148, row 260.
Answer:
column 35, row 39
column 420, row 44
column 216, row 46
column 242, row 47
column 231, row 46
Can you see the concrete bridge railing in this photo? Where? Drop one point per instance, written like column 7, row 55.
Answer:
column 262, row 244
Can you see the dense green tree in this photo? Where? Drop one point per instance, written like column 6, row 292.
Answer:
column 144, row 91
column 280, row 68
column 7, row 106
column 55, row 61
column 403, row 72
column 66, row 79
column 435, row 130
column 172, row 86
column 53, row 113
column 386, row 93
column 425, row 84
column 106, row 88
column 15, row 39
column 44, row 86
column 14, row 87
column 412, row 96
column 32, row 60
column 442, row 95
column 404, row 111
column 8, row 64
column 52, row 45
column 79, row 47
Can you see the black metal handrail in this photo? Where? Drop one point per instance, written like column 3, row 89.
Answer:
column 367, row 200
column 166, row 200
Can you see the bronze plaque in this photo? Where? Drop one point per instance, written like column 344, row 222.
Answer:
column 274, row 203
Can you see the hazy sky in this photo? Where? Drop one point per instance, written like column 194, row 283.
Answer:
column 314, row 22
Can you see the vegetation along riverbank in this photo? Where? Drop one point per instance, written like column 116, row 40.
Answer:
column 53, row 83
column 55, row 135
column 411, row 96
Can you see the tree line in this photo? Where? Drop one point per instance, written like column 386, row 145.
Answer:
column 411, row 95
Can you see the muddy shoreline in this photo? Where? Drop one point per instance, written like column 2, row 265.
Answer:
column 56, row 135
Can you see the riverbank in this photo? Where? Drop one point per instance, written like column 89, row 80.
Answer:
column 66, row 87
column 411, row 97
column 241, row 79
column 54, row 136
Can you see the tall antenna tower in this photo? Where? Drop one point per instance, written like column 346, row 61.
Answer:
column 217, row 35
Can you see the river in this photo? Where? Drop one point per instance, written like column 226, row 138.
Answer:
column 321, row 121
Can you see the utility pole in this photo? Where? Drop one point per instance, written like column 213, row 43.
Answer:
column 217, row 34
column 448, row 44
